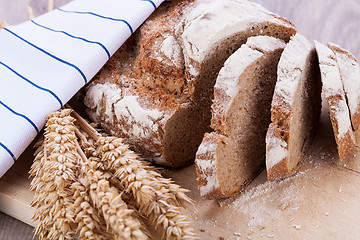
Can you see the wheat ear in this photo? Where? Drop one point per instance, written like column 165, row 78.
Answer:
column 157, row 198
column 90, row 224
column 152, row 196
column 166, row 186
column 60, row 140
column 54, row 172
column 108, row 200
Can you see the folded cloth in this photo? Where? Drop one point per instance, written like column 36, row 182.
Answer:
column 45, row 61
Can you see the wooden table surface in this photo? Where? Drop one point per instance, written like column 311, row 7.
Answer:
column 337, row 21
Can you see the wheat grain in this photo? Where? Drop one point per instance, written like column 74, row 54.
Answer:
column 90, row 224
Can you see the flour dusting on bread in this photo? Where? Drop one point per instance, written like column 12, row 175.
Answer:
column 335, row 96
column 295, row 109
column 277, row 151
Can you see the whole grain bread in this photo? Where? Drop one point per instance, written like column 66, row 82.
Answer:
column 335, row 96
column 295, row 109
column 234, row 154
column 156, row 91
column 350, row 75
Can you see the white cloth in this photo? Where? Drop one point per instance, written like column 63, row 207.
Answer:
column 45, row 61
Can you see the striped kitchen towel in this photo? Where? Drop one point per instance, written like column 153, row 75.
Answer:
column 45, row 61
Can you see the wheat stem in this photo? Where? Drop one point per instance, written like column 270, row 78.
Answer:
column 50, row 5
column 83, row 124
column 30, row 12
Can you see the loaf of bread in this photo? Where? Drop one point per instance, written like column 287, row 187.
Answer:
column 350, row 75
column 295, row 109
column 234, row 154
column 156, row 91
column 335, row 95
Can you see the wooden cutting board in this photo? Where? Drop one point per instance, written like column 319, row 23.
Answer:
column 321, row 201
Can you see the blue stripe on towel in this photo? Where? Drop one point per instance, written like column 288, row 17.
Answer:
column 8, row 150
column 97, row 15
column 49, row 54
column 67, row 34
column 20, row 115
column 34, row 84
column 152, row 3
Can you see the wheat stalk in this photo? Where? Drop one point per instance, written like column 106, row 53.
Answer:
column 54, row 172
column 165, row 185
column 30, row 12
column 50, row 6
column 76, row 187
column 90, row 224
column 108, row 200
column 153, row 196
column 156, row 197
column 62, row 202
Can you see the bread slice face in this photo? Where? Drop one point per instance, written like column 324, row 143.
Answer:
column 335, row 96
column 168, row 69
column 295, row 109
column 234, row 154
column 350, row 75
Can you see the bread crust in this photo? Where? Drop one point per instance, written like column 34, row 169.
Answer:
column 280, row 169
column 350, row 74
column 206, row 167
column 224, row 150
column 163, row 77
column 298, row 86
column 336, row 99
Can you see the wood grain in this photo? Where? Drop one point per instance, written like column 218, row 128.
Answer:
column 329, row 193
column 12, row 229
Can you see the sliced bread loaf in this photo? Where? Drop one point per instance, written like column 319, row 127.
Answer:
column 234, row 154
column 350, row 75
column 336, row 99
column 156, row 91
column 295, row 108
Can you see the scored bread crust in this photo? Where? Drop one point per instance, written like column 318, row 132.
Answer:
column 298, row 83
column 336, row 99
column 350, row 75
column 225, row 161
column 169, row 67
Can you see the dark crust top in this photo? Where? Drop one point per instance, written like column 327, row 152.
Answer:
column 140, row 69
column 141, row 60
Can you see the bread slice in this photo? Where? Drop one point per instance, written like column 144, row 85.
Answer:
column 231, row 157
column 295, row 109
column 336, row 99
column 156, row 91
column 350, row 76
